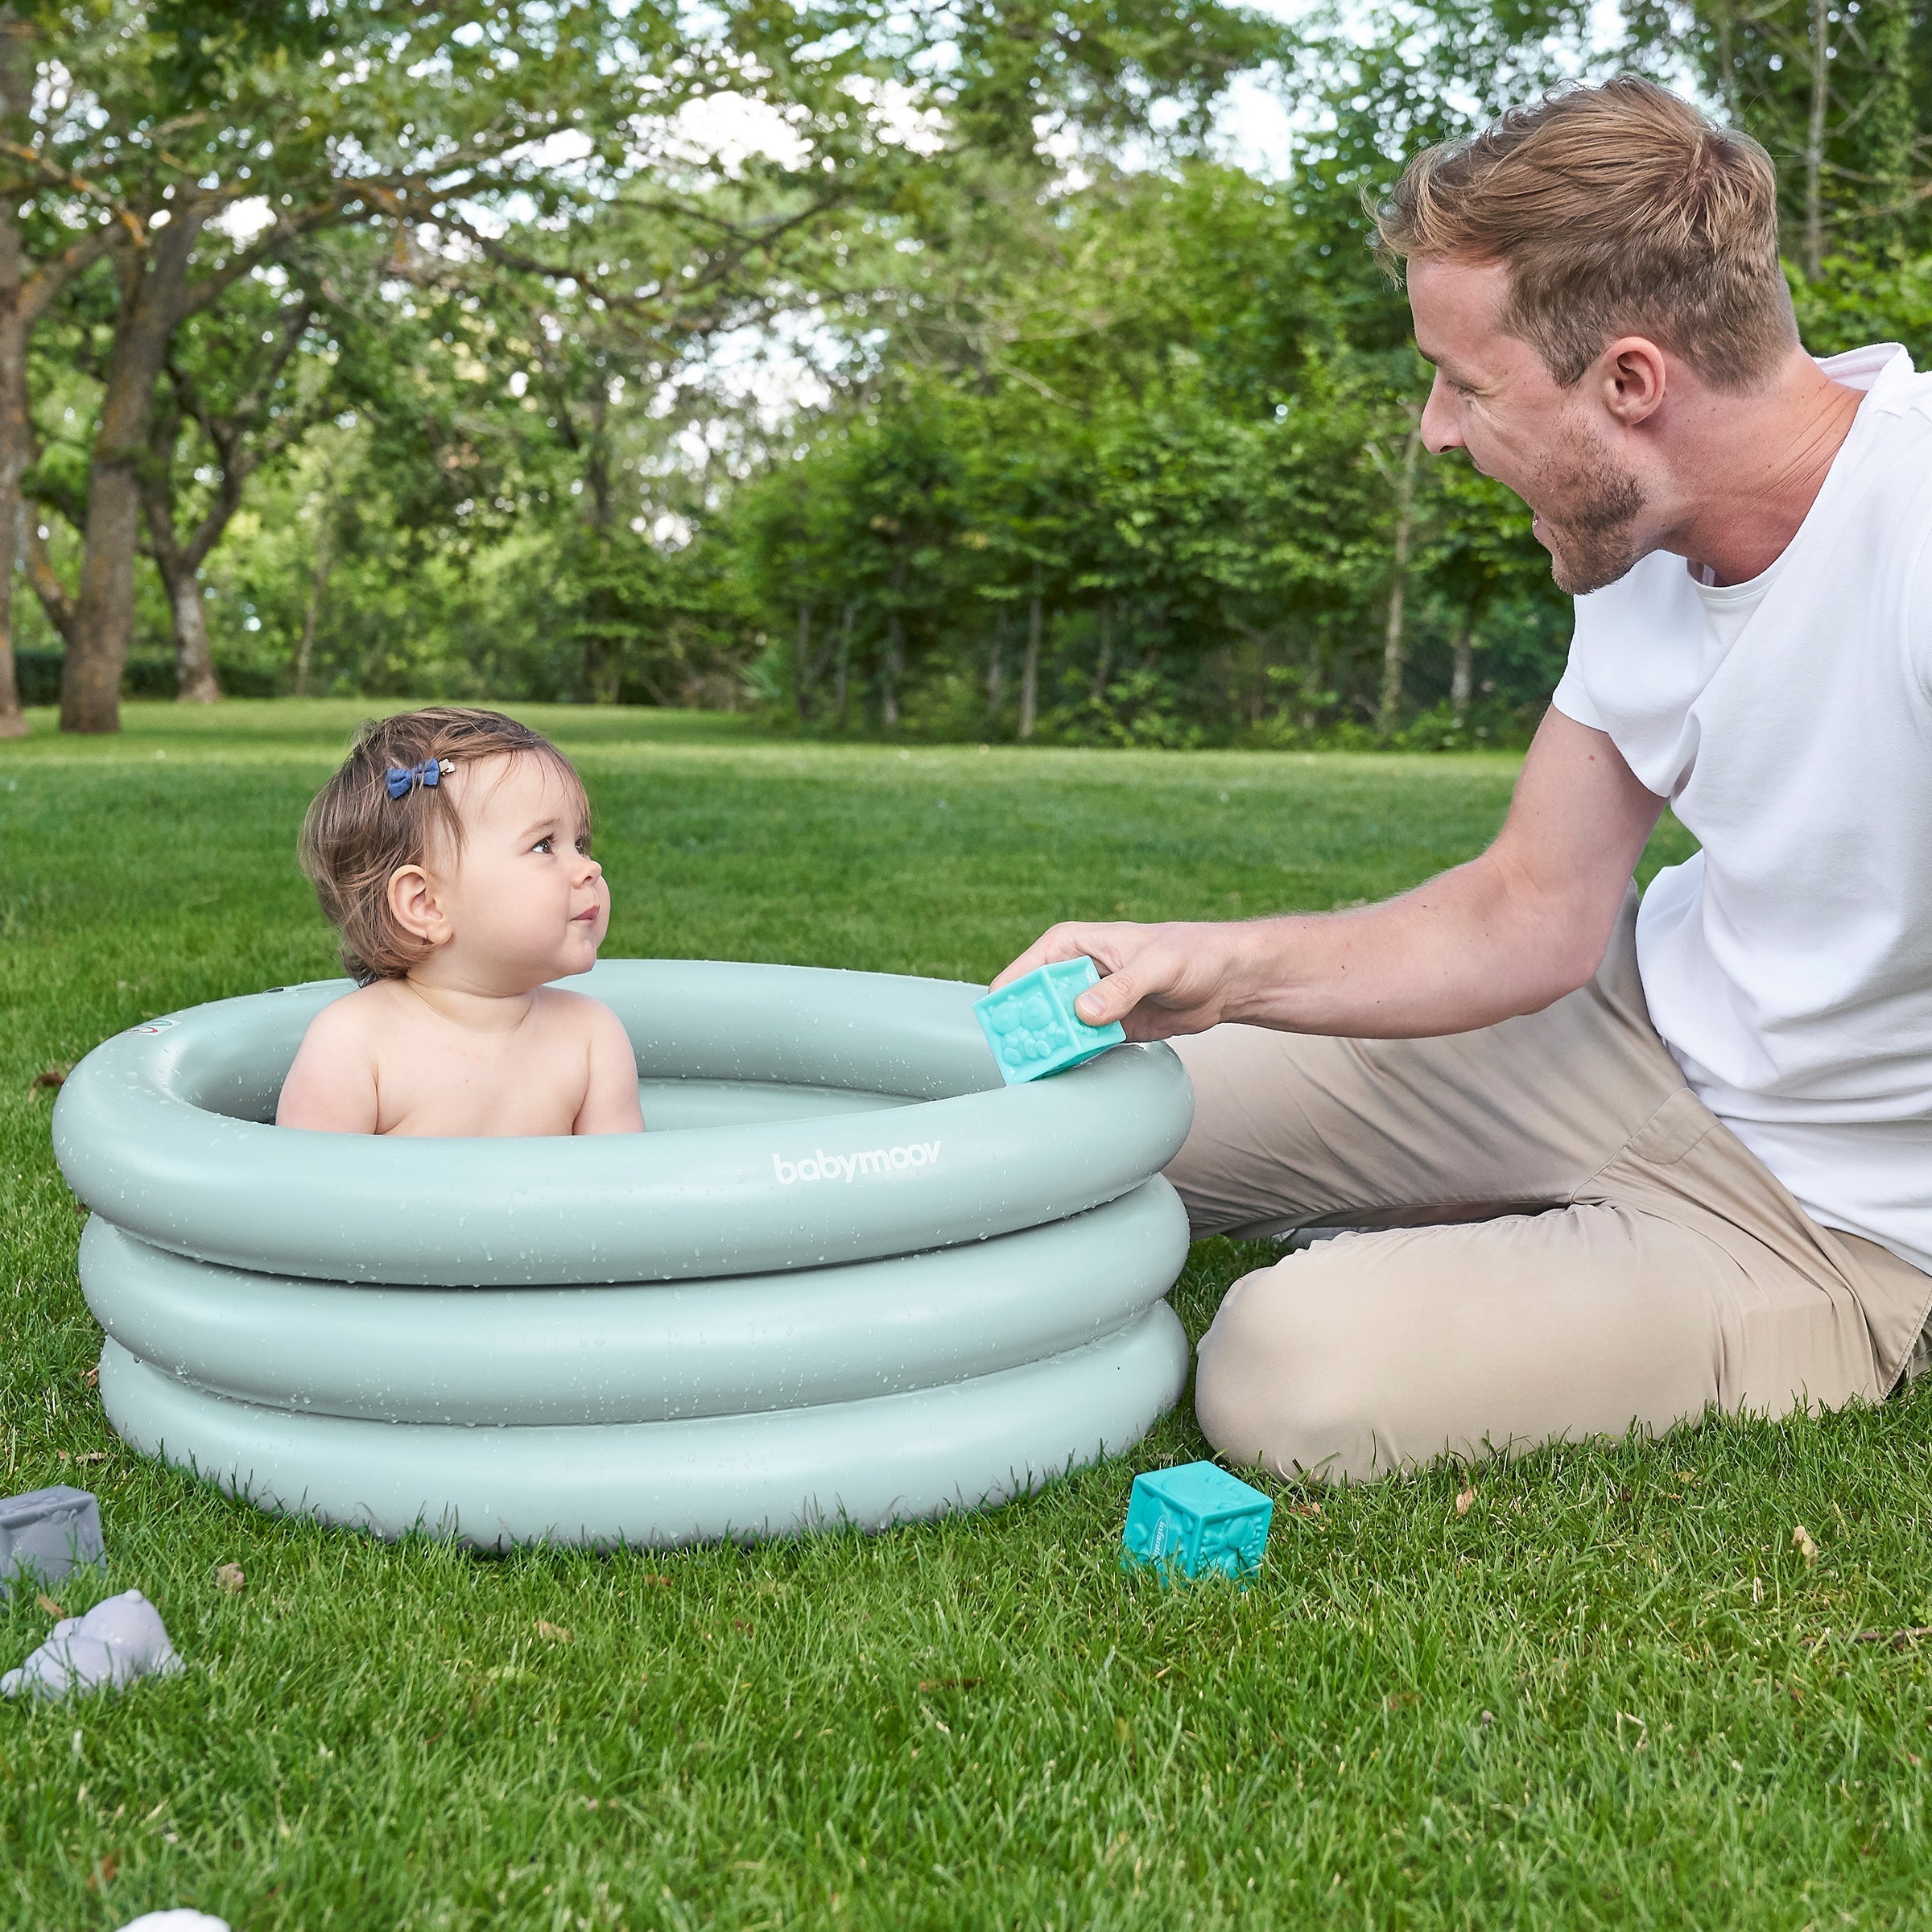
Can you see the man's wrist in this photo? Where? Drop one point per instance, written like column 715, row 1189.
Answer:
column 1250, row 969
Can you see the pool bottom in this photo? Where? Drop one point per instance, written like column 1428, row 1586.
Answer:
column 870, row 1463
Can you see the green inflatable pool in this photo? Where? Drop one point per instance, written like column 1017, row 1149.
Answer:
column 847, row 1276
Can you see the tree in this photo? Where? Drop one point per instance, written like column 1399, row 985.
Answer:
column 240, row 394
column 209, row 142
column 1835, row 89
column 1098, row 455
column 1395, row 460
column 37, row 263
column 186, row 145
column 1483, row 551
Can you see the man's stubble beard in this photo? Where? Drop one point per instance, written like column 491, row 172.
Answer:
column 1591, row 542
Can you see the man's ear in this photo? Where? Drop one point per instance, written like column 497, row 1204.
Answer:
column 1632, row 379
column 417, row 909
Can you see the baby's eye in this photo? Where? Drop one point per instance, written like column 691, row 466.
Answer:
column 584, row 844
column 546, row 846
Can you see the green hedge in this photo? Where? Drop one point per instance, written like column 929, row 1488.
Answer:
column 148, row 674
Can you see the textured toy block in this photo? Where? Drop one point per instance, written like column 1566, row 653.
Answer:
column 1032, row 1027
column 1197, row 1518
column 48, row 1532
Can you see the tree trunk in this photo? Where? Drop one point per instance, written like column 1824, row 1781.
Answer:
column 195, row 679
column 152, row 294
column 1889, row 113
column 801, row 666
column 1103, row 668
column 179, row 561
column 1258, row 684
column 13, row 720
column 41, row 574
column 311, row 610
column 996, row 677
column 12, row 512
column 603, row 643
column 841, row 676
column 1814, row 140
column 1394, row 646
column 195, row 682
column 894, row 662
column 16, row 88
column 1461, row 670
column 1029, row 670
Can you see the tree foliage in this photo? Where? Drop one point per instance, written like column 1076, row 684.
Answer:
column 913, row 368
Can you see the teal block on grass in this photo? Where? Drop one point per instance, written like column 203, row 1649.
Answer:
column 1032, row 1027
column 1197, row 1518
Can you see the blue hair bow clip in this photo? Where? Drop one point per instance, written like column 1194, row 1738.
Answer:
column 401, row 780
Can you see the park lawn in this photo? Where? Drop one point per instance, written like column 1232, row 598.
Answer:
column 1606, row 1689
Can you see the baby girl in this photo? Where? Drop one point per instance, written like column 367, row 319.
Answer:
column 452, row 853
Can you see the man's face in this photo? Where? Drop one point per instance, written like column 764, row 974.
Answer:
column 1555, row 447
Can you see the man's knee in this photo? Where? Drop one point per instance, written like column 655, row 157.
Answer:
column 1287, row 1375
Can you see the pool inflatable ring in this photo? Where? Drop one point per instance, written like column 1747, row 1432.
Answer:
column 847, row 1276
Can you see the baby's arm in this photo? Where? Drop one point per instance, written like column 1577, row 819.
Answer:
column 331, row 1086
column 610, row 1096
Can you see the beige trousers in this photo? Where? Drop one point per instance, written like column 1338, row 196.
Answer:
column 1613, row 1254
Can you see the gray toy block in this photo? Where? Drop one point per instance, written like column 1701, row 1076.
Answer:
column 47, row 1533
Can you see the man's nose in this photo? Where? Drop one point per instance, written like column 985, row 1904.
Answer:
column 1439, row 431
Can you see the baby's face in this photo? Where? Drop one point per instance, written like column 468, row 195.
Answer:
column 525, row 900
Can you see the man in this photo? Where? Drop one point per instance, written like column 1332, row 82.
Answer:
column 1617, row 1166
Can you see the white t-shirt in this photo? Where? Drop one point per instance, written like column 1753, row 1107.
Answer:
column 1788, row 966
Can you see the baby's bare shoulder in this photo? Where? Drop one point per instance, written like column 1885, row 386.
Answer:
column 609, row 1104
column 354, row 1019
column 578, row 1014
column 331, row 1086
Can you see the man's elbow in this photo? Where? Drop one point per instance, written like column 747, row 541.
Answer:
column 1549, row 934
column 1565, row 953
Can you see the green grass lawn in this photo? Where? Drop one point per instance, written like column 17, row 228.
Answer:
column 1610, row 1693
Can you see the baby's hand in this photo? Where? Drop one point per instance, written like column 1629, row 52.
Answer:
column 610, row 1097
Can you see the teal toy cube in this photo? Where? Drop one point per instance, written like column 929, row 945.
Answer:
column 1197, row 1518
column 1032, row 1027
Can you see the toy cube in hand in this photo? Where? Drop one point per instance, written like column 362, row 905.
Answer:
column 46, row 1533
column 1197, row 1518
column 1032, row 1027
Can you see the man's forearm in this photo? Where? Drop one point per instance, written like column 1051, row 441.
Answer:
column 1507, row 934
column 1464, row 950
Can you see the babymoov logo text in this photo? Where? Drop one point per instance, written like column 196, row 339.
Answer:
column 819, row 1165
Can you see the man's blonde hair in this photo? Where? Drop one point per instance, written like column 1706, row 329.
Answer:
column 1616, row 210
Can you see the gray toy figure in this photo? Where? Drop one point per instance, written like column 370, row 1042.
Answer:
column 119, row 1640
column 47, row 1533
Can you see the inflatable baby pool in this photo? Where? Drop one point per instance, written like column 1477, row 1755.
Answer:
column 848, row 1275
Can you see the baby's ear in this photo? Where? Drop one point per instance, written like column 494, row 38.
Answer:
column 413, row 906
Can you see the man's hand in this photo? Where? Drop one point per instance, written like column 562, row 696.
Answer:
column 1157, row 980
column 1508, row 933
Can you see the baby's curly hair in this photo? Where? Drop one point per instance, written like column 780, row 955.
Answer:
column 356, row 836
